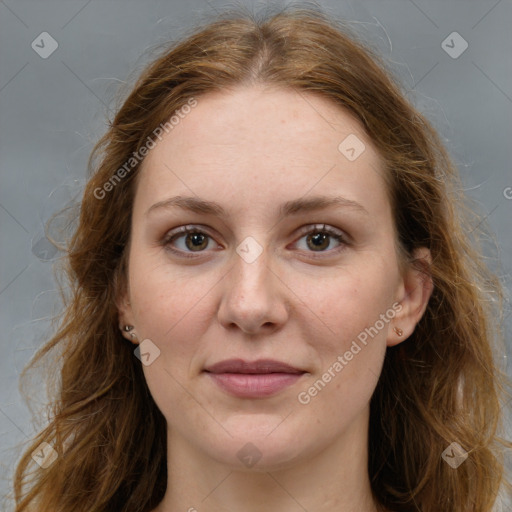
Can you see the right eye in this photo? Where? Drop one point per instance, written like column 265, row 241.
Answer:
column 193, row 239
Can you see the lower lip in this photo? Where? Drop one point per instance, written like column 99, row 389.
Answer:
column 248, row 385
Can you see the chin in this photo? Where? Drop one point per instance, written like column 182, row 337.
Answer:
column 259, row 447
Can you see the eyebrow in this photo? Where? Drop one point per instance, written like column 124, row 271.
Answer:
column 310, row 204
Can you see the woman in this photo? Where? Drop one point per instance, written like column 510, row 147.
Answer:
column 279, row 237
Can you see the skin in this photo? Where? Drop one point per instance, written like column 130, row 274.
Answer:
column 251, row 149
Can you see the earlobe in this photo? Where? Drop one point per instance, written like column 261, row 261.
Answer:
column 128, row 330
column 125, row 319
column 414, row 295
column 122, row 302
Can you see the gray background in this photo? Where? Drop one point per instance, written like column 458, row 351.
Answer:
column 52, row 111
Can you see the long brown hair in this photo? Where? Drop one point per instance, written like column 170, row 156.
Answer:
column 440, row 386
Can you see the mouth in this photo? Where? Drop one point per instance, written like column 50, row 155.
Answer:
column 258, row 379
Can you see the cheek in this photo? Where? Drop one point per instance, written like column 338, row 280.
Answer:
column 355, row 300
column 357, row 308
column 165, row 298
column 349, row 362
column 170, row 311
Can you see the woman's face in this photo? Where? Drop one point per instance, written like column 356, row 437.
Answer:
column 268, row 272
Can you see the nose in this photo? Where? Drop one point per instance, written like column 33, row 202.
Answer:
column 254, row 298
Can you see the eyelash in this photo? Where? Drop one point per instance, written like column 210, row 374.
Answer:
column 318, row 228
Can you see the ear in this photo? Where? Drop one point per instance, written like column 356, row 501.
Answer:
column 413, row 294
column 124, row 308
column 125, row 318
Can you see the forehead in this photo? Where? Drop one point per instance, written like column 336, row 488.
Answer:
column 257, row 144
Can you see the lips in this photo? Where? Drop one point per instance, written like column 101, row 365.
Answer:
column 258, row 379
column 261, row 366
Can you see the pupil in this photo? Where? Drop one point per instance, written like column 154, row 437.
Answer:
column 198, row 240
column 319, row 240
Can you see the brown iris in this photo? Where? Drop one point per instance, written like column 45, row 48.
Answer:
column 195, row 241
column 319, row 240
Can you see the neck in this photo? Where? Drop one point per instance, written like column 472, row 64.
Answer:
column 329, row 479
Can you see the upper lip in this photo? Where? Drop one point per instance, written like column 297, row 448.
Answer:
column 254, row 367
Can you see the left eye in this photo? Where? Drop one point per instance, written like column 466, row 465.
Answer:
column 320, row 236
column 318, row 239
column 195, row 240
